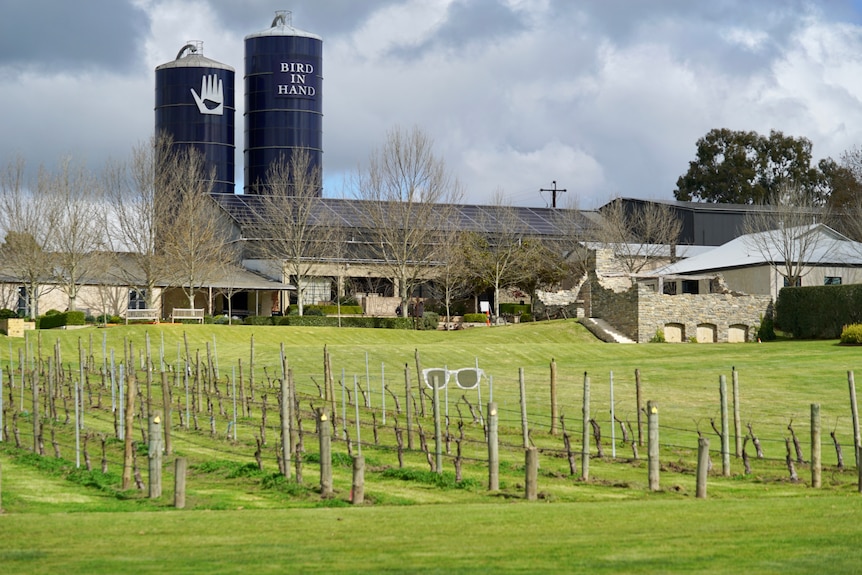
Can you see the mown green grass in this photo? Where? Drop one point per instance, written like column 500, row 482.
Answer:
column 236, row 514
column 657, row 535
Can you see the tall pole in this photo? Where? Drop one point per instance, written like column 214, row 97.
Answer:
column 554, row 191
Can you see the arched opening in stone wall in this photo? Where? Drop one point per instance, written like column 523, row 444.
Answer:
column 674, row 332
column 737, row 333
column 706, row 333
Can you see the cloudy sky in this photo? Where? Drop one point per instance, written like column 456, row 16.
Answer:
column 607, row 97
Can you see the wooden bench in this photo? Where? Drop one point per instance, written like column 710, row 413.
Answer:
column 187, row 313
column 142, row 314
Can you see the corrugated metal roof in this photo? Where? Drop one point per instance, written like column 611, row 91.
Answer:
column 831, row 249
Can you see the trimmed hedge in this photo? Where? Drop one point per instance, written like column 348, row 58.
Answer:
column 258, row 320
column 345, row 309
column 475, row 318
column 61, row 319
column 325, row 321
column 818, row 312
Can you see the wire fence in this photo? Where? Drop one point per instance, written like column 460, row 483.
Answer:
column 234, row 413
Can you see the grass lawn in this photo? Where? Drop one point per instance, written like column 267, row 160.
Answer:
column 242, row 517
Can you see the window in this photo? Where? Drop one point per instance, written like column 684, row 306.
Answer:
column 832, row 281
column 137, row 299
column 23, row 307
column 797, row 284
column 690, row 286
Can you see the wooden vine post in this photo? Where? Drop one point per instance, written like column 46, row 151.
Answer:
column 154, row 453
column 737, row 422
column 128, row 459
column 857, row 443
column 702, row 466
column 408, row 406
column 166, row 402
column 180, row 466
column 323, row 432
column 652, row 445
column 531, row 466
column 358, row 488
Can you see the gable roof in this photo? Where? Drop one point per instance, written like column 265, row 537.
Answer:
column 831, row 248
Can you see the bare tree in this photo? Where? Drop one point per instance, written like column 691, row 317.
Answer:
column 497, row 254
column 27, row 229
column 451, row 280
column 784, row 233
column 192, row 232
column 292, row 220
column 640, row 235
column 230, row 272
column 409, row 192
column 131, row 194
column 79, row 238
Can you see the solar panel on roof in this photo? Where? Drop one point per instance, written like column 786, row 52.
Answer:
column 246, row 211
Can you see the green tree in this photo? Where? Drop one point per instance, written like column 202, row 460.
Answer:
column 748, row 168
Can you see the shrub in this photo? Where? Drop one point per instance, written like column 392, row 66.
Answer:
column 61, row 319
column 108, row 318
column 852, row 334
column 526, row 317
column 52, row 312
column 6, row 313
column 221, row 320
column 475, row 318
column 430, row 321
column 258, row 320
column 766, row 329
column 658, row 337
column 311, row 310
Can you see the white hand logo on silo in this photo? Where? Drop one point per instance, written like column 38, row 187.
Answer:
column 211, row 99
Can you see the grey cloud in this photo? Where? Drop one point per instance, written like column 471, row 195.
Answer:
column 469, row 22
column 322, row 17
column 52, row 36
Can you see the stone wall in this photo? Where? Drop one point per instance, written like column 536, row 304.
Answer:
column 378, row 305
column 618, row 308
column 639, row 312
column 721, row 310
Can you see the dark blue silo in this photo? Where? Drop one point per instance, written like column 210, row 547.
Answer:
column 195, row 104
column 283, row 98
